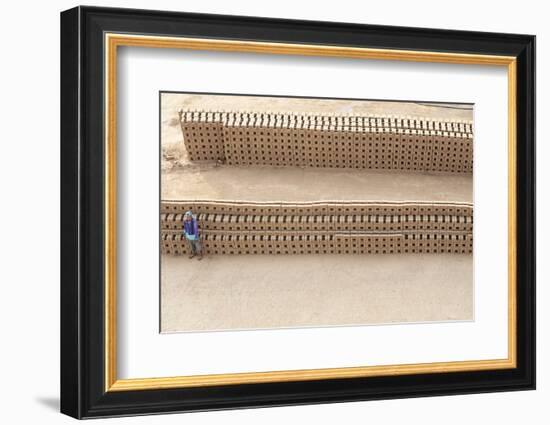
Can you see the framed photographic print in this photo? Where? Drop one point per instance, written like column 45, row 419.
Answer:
column 261, row 212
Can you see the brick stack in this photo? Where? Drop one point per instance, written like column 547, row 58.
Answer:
column 331, row 141
column 321, row 227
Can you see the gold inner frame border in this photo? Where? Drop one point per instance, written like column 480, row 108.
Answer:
column 111, row 43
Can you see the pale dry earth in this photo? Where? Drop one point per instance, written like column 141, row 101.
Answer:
column 263, row 183
column 264, row 291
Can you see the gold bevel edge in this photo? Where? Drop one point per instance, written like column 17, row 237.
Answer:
column 110, row 213
column 304, row 49
column 307, row 374
column 112, row 41
column 512, row 213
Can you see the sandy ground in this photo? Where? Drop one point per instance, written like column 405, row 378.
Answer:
column 311, row 184
column 260, row 291
column 244, row 292
column 175, row 101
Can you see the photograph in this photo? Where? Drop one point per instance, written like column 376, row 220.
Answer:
column 295, row 212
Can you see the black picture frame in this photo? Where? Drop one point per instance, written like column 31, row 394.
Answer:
column 83, row 392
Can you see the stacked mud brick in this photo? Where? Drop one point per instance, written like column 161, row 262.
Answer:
column 331, row 141
column 321, row 227
column 337, row 141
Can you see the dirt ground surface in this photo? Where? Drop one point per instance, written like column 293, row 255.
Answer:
column 260, row 291
column 323, row 184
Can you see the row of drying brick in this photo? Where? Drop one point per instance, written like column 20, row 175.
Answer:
column 282, row 127
column 175, row 244
column 332, row 149
column 252, row 119
column 300, row 223
column 317, row 208
column 338, row 150
column 204, row 142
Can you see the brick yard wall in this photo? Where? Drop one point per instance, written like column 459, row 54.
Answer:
column 320, row 227
column 334, row 141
